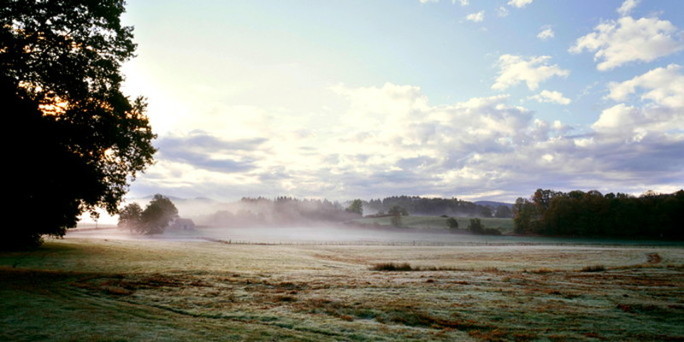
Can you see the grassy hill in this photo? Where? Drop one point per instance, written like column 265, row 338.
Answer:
column 439, row 222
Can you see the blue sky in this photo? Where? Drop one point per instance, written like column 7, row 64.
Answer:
column 468, row 99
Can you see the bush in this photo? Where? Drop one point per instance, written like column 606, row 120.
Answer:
column 476, row 226
column 395, row 220
column 491, row 231
column 595, row 268
column 392, row 267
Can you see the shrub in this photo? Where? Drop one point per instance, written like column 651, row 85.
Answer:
column 491, row 231
column 595, row 268
column 392, row 267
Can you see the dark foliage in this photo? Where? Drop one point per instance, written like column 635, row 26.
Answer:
column 396, row 212
column 392, row 267
column 77, row 140
column 130, row 216
column 417, row 205
column 156, row 217
column 503, row 211
column 452, row 223
column 356, row 207
column 592, row 214
column 476, row 227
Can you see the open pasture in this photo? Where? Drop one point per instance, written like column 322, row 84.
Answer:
column 505, row 225
column 111, row 289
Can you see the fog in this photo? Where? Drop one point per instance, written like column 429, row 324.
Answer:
column 292, row 221
column 322, row 234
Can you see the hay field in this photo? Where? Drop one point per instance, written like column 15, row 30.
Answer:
column 166, row 290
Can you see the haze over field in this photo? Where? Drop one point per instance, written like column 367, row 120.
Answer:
column 358, row 99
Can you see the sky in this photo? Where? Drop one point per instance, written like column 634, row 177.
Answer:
column 479, row 100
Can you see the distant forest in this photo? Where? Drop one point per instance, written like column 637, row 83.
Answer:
column 262, row 211
column 417, row 205
column 592, row 214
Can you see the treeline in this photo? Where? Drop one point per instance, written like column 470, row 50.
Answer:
column 592, row 214
column 280, row 211
column 417, row 205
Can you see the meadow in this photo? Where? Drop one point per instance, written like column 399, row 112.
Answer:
column 96, row 288
column 505, row 225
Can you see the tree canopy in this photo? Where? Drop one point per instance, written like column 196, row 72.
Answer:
column 157, row 215
column 579, row 213
column 356, row 207
column 432, row 206
column 78, row 139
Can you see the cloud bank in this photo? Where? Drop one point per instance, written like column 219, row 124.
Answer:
column 391, row 140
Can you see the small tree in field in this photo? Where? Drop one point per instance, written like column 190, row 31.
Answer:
column 153, row 220
column 397, row 212
column 157, row 215
column 452, row 223
column 130, row 216
column 476, row 226
column 356, row 207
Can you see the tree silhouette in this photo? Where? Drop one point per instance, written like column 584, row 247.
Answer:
column 396, row 212
column 356, row 207
column 592, row 214
column 452, row 223
column 130, row 216
column 156, row 216
column 77, row 140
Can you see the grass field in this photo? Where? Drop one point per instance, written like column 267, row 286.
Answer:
column 119, row 290
column 438, row 222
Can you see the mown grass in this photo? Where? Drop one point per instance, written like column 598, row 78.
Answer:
column 156, row 290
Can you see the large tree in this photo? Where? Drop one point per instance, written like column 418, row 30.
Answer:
column 77, row 140
column 130, row 216
column 157, row 216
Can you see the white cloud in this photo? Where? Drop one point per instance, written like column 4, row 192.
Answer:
column 476, row 17
column 627, row 7
column 532, row 71
column 546, row 34
column 427, row 1
column 661, row 114
column 627, row 40
column 502, row 11
column 663, row 86
column 618, row 117
column 635, row 124
column 519, row 3
column 546, row 96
